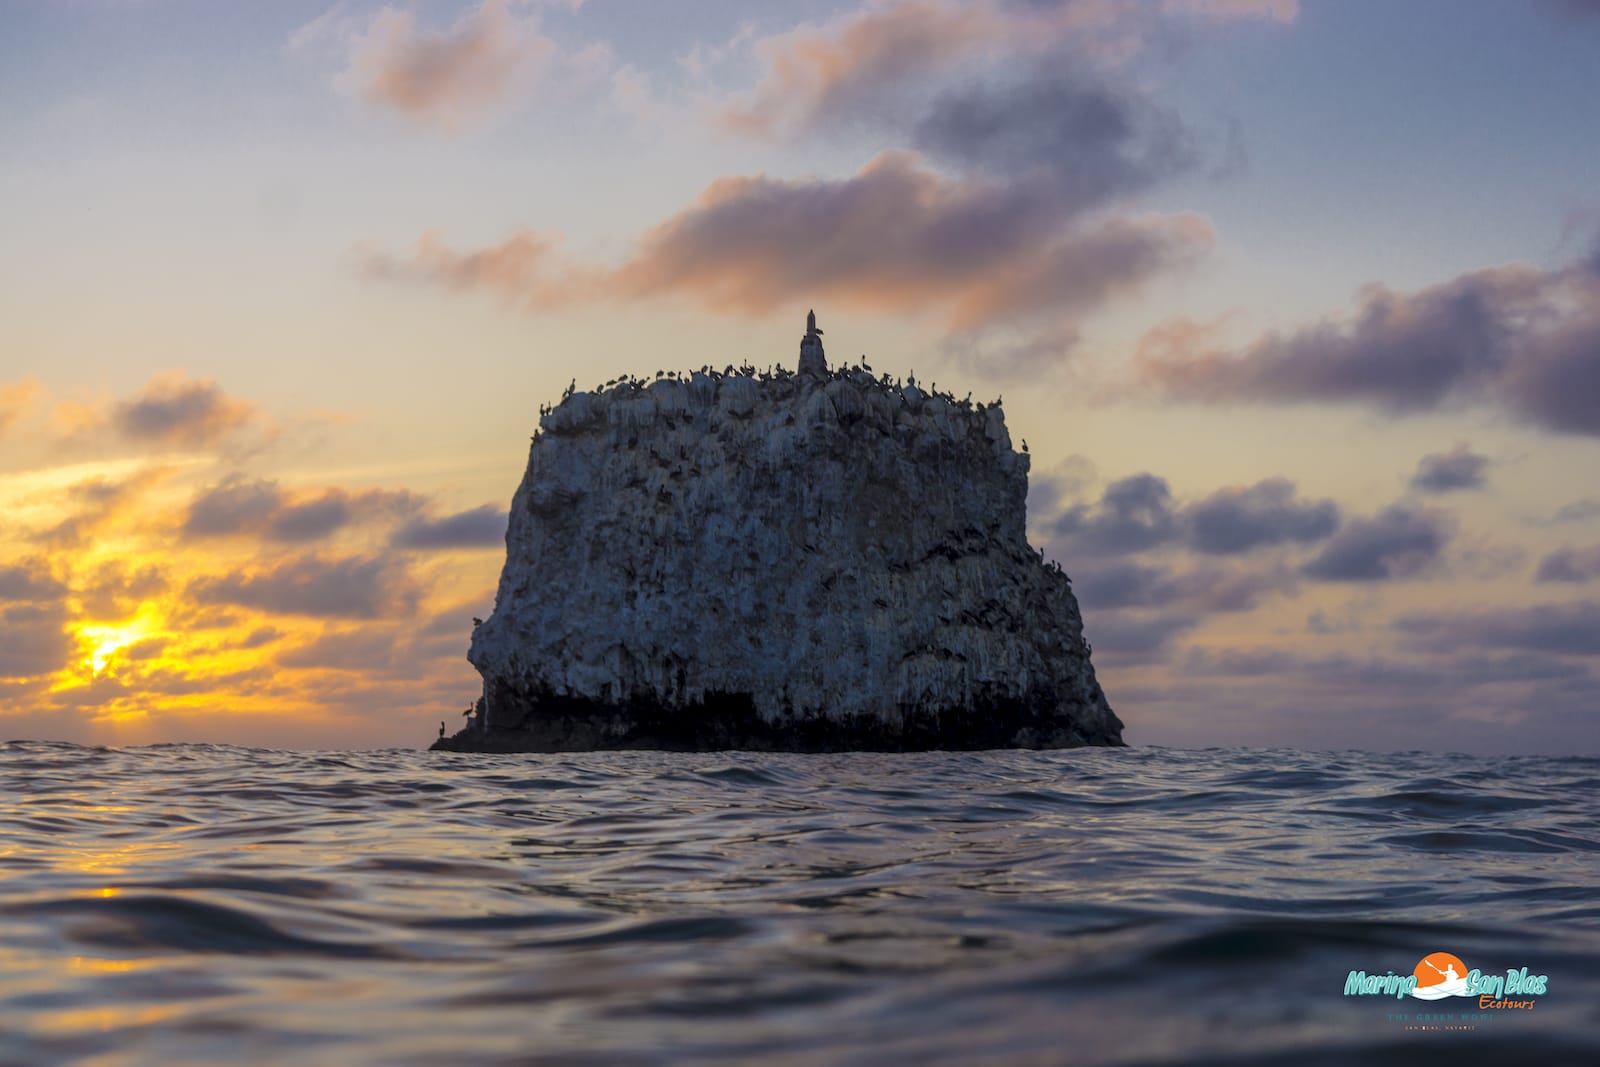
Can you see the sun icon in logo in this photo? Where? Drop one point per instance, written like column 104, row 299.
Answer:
column 1440, row 974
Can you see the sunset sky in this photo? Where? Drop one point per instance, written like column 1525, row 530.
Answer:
column 1297, row 306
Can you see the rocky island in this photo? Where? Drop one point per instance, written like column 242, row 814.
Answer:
column 816, row 560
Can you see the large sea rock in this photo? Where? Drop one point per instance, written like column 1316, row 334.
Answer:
column 818, row 561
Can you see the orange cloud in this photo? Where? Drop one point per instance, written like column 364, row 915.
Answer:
column 98, row 503
column 157, row 602
column 16, row 399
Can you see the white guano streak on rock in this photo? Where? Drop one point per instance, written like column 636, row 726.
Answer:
column 831, row 547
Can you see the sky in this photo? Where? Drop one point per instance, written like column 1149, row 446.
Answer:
column 1296, row 303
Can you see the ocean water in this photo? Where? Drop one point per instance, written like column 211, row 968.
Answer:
column 191, row 904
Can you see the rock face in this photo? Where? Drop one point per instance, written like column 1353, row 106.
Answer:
column 818, row 561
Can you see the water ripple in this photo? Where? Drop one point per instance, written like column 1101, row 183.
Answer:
column 183, row 903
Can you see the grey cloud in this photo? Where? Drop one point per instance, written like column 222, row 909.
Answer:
column 1444, row 472
column 1093, row 142
column 1568, row 564
column 1402, row 353
column 360, row 587
column 480, row 527
column 1231, row 521
column 1123, row 638
column 873, row 66
column 1525, row 339
column 1134, row 514
column 895, row 237
column 1554, row 381
column 1115, row 584
column 175, row 411
column 348, row 650
column 1138, row 513
column 1396, row 543
column 234, row 506
column 1578, row 510
column 260, row 637
column 33, row 640
column 30, row 580
column 313, row 520
column 239, row 506
column 1557, row 629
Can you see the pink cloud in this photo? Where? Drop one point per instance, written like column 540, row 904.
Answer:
column 446, row 77
column 895, row 237
column 866, row 62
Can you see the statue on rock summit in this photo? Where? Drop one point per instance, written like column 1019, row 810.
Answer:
column 812, row 359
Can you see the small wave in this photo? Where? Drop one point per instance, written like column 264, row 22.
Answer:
column 1147, row 906
column 171, row 923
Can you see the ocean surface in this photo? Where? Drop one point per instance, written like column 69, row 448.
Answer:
column 193, row 904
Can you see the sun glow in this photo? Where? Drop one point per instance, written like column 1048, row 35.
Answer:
column 101, row 642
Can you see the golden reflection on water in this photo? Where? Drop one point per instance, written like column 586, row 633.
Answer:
column 106, row 1017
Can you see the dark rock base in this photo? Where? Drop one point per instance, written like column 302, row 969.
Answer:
column 726, row 721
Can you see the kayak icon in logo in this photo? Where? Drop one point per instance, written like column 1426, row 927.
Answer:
column 1440, row 975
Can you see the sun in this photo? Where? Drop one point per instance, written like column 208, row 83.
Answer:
column 103, row 642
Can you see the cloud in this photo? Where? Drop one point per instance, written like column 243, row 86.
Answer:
column 1525, row 339
column 894, row 237
column 1231, row 521
column 1138, row 513
column 258, row 507
column 235, row 506
column 1577, row 511
column 117, row 589
column 445, row 77
column 1568, row 564
column 862, row 60
column 1209, row 588
column 1221, row 10
column 1396, row 543
column 16, row 399
column 1125, row 638
column 33, row 640
column 97, row 503
column 1092, row 142
column 1444, row 472
column 1134, row 514
column 1008, row 129
column 1555, row 629
column 1052, row 489
column 870, row 64
column 346, row 650
column 357, row 587
column 181, row 412
column 480, row 527
column 520, row 269
column 30, row 580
